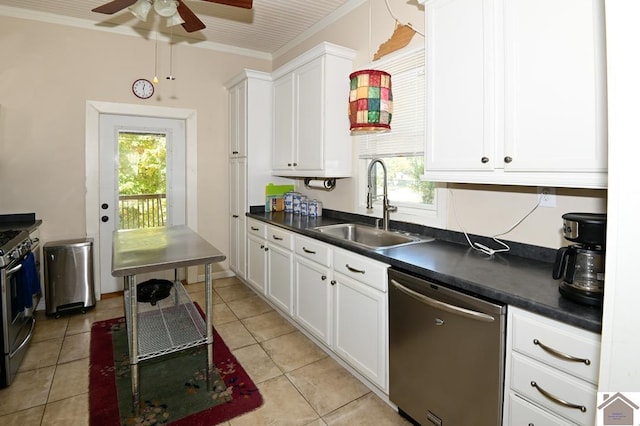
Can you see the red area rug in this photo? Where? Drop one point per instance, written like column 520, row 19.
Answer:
column 173, row 388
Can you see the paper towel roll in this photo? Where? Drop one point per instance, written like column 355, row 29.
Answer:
column 324, row 184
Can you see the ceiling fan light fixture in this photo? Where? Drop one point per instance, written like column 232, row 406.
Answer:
column 175, row 19
column 141, row 9
column 165, row 8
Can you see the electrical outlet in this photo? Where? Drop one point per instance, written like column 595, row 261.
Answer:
column 547, row 196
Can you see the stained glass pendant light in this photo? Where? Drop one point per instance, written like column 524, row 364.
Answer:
column 370, row 101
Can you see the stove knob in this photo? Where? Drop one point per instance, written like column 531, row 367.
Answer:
column 15, row 254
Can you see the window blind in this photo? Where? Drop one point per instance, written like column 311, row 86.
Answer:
column 408, row 121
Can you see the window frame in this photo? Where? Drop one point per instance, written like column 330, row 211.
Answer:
column 434, row 215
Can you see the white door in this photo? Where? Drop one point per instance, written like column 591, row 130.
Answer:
column 112, row 131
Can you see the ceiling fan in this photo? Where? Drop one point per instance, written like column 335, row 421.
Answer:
column 173, row 10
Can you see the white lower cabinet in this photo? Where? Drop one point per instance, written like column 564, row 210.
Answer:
column 257, row 255
column 361, row 320
column 551, row 371
column 313, row 306
column 280, row 268
column 336, row 296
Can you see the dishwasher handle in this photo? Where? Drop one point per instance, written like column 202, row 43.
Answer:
column 468, row 313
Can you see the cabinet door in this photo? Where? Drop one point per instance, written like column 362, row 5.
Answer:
column 555, row 101
column 237, row 208
column 460, row 86
column 312, row 307
column 238, row 120
column 310, row 80
column 284, row 156
column 257, row 263
column 360, row 328
column 280, row 282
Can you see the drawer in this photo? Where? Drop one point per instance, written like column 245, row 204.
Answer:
column 545, row 340
column 556, row 384
column 313, row 250
column 280, row 237
column 524, row 413
column 257, row 228
column 360, row 268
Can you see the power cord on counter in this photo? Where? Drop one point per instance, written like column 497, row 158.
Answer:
column 481, row 247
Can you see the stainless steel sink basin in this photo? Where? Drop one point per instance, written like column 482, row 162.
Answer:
column 368, row 236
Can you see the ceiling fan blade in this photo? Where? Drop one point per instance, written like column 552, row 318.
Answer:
column 113, row 6
column 245, row 4
column 191, row 21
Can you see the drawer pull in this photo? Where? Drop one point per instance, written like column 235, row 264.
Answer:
column 357, row 271
column 306, row 250
column 561, row 355
column 558, row 400
column 253, row 228
column 323, row 278
column 275, row 237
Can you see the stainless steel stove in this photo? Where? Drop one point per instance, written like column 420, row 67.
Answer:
column 20, row 293
column 13, row 245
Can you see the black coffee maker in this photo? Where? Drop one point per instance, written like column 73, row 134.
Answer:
column 581, row 265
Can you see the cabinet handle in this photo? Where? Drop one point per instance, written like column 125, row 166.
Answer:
column 253, row 228
column 484, row 160
column 333, row 282
column 266, row 249
column 277, row 238
column 234, row 215
column 508, row 159
column 358, row 271
column 558, row 400
column 323, row 278
column 561, row 355
column 234, row 152
column 306, row 250
column 295, row 164
column 289, row 164
column 261, row 246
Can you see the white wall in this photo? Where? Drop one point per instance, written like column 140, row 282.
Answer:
column 49, row 71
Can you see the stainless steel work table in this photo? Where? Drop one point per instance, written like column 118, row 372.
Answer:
column 161, row 330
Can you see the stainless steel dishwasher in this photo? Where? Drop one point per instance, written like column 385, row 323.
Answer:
column 446, row 354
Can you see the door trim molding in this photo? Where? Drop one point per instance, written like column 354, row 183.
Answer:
column 92, row 166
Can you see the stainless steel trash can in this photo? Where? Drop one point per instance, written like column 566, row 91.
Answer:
column 68, row 276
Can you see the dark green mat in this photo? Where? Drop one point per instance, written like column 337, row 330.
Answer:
column 173, row 388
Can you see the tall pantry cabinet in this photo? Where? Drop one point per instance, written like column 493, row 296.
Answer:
column 250, row 130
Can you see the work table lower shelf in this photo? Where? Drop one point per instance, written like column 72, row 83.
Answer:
column 172, row 325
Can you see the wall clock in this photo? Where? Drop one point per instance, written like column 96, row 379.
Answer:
column 143, row 88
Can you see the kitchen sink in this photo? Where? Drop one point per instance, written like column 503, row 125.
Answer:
column 369, row 236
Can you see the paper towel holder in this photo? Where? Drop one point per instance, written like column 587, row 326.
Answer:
column 323, row 184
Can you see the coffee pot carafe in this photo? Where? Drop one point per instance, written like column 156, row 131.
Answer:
column 581, row 265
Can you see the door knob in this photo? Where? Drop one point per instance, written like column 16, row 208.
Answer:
column 105, row 218
column 104, row 206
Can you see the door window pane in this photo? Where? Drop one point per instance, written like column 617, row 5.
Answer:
column 142, row 180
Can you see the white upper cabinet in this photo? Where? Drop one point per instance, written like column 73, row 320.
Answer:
column 516, row 92
column 311, row 136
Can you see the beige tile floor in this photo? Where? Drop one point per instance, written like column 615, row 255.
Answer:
column 299, row 383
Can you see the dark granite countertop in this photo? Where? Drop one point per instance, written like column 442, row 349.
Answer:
column 19, row 222
column 521, row 278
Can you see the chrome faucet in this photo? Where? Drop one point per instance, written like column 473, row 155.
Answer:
column 386, row 208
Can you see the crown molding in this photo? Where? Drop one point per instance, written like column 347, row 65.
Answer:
column 334, row 16
column 20, row 13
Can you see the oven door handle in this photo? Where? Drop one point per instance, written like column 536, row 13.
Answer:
column 26, row 339
column 468, row 313
column 14, row 269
